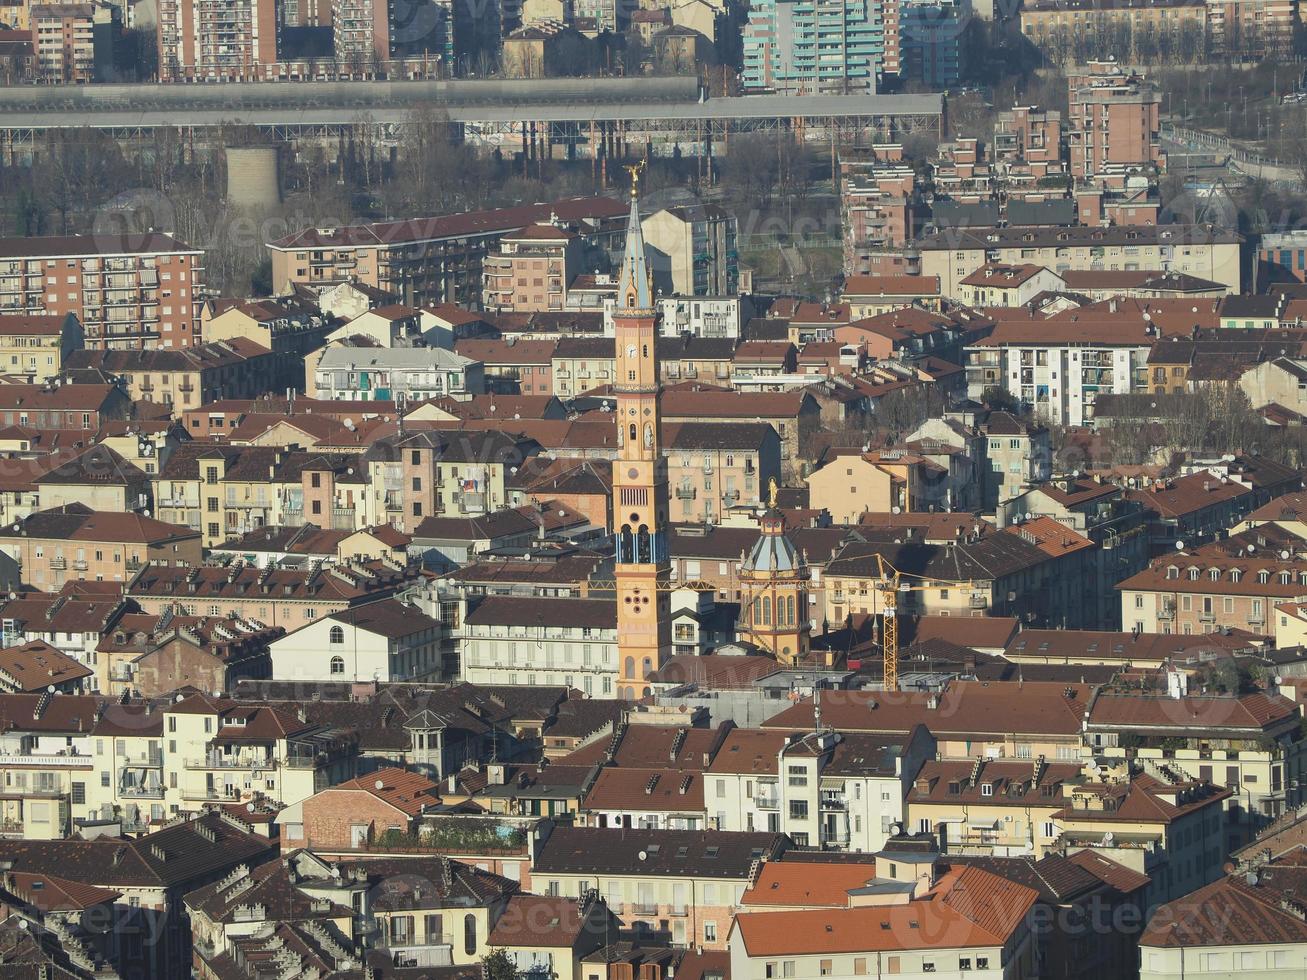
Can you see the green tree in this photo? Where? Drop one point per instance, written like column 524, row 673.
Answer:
column 498, row 965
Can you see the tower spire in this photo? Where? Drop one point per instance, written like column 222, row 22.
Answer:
column 634, row 285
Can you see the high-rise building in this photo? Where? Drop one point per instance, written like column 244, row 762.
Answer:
column 74, row 42
column 1115, row 124
column 217, row 39
column 933, row 33
column 814, row 47
column 641, row 571
column 129, row 291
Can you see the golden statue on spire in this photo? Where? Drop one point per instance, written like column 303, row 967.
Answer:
column 635, row 169
column 772, row 490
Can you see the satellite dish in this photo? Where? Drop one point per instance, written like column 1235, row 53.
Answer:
column 1284, row 555
column 1252, row 549
column 179, row 696
column 380, row 784
column 50, row 688
column 895, row 509
column 250, row 806
column 1179, row 546
column 145, row 513
column 643, row 855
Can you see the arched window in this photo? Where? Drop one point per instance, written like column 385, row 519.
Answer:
column 757, row 610
column 338, row 665
column 647, row 665
column 766, row 611
column 789, row 610
column 630, row 666
column 470, row 934
column 337, row 635
column 633, row 433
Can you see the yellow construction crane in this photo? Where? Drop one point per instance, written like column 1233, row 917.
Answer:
column 664, row 585
column 893, row 585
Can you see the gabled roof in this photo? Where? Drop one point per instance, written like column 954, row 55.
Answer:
column 404, row 790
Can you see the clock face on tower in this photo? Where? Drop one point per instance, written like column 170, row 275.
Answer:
column 630, row 351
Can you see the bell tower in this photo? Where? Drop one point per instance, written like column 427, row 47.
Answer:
column 641, row 572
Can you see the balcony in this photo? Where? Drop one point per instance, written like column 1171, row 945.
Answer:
column 217, row 761
column 141, row 792
column 80, row 565
column 46, row 761
column 685, row 493
column 58, row 563
column 833, row 801
column 152, row 759
column 767, row 801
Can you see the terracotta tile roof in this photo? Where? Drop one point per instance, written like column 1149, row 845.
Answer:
column 1255, row 712
column 182, row 854
column 390, row 618
column 806, row 884
column 404, row 790
column 985, row 709
column 1233, row 912
column 646, row 790
column 1109, row 872
column 750, row 750
column 538, row 921
column 34, row 666
column 538, row 611
column 1002, row 275
column 949, row 781
column 31, row 324
column 970, row 908
column 51, row 893
column 97, row 244
column 1188, row 494
column 859, row 286
column 714, row 672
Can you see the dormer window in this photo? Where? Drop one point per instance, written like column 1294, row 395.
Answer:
column 1284, row 578
column 1193, row 575
column 1214, row 574
column 1263, row 577
column 1235, row 574
column 986, row 789
column 1172, row 572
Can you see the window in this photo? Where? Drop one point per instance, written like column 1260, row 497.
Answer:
column 964, row 963
column 798, row 809
column 982, row 962
column 710, row 932
column 338, row 665
column 337, row 635
column 470, row 934
column 824, row 968
column 859, row 966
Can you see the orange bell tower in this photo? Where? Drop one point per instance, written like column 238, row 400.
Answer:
column 641, row 572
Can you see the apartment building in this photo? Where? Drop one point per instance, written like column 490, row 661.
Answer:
column 458, row 473
column 1251, row 29
column 1037, row 570
column 34, row 347
column 1197, row 250
column 1028, row 142
column 795, row 415
column 431, row 260
column 692, row 250
column 1248, row 743
column 831, row 47
column 217, row 40
column 74, row 42
column 76, row 544
column 147, row 878
column 384, row 641
column 997, row 284
column 1115, row 125
column 708, row 317
column 715, row 466
column 186, row 378
column 128, row 291
column 519, row 640
column 1060, row 371
column 582, row 364
column 933, row 41
column 826, row 790
column 274, row 597
column 153, row 656
column 957, row 935
column 692, row 879
column 876, row 195
column 219, row 749
column 1192, row 593
column 1175, row 28
column 400, row 374
column 532, row 269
